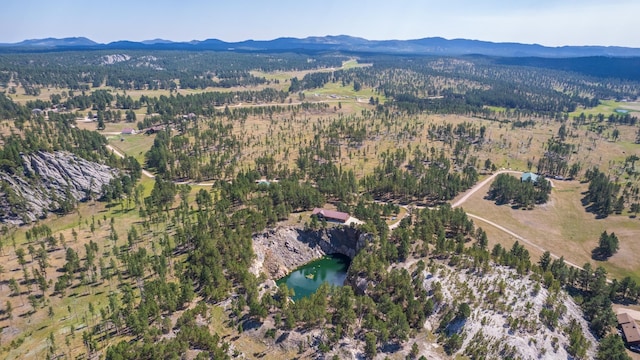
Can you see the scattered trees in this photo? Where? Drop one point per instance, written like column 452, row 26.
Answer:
column 206, row 250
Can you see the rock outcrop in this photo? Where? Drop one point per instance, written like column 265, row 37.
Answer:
column 280, row 251
column 46, row 181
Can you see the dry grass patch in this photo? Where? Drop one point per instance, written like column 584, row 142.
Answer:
column 563, row 227
column 45, row 94
column 132, row 145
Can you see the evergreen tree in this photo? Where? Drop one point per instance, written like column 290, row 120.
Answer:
column 612, row 348
column 607, row 246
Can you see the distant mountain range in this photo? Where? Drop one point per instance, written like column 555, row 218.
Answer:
column 53, row 42
column 342, row 43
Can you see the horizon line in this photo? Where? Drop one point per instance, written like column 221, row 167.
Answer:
column 314, row 36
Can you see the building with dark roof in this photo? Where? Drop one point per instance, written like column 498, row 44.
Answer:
column 629, row 329
column 331, row 215
column 154, row 129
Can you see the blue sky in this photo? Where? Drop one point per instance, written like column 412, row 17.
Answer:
column 546, row 22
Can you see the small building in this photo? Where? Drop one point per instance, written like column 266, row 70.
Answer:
column 154, row 129
column 629, row 329
column 128, row 131
column 529, row 176
column 331, row 215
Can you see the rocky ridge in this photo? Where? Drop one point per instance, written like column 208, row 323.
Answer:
column 46, row 181
column 506, row 318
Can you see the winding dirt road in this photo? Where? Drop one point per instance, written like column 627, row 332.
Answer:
column 477, row 187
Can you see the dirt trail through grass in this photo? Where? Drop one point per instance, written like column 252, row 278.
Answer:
column 481, row 184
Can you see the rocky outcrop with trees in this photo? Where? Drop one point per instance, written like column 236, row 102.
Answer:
column 50, row 182
column 281, row 250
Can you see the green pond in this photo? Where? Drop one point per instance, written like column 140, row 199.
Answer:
column 306, row 279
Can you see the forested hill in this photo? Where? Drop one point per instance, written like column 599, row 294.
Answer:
column 343, row 43
column 597, row 66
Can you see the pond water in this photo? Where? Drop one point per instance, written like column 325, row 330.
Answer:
column 306, row 279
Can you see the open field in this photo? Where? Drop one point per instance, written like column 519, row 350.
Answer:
column 133, row 145
column 633, row 106
column 339, row 92
column 607, row 107
column 285, row 76
column 563, row 227
column 45, row 94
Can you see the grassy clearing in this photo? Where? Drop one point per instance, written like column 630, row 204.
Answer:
column 563, row 227
column 632, row 106
column 285, row 76
column 335, row 90
column 605, row 107
column 110, row 128
column 45, row 94
column 132, row 145
column 496, row 109
column 353, row 63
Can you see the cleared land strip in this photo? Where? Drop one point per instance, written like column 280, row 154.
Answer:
column 477, row 187
column 520, row 238
column 118, row 153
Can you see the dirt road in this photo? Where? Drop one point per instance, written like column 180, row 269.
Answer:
column 118, row 153
column 477, row 187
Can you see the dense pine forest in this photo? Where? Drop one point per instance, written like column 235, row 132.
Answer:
column 160, row 261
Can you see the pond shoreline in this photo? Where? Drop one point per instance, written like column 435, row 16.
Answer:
column 281, row 250
column 306, row 279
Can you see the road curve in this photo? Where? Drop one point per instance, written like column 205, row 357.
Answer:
column 479, row 185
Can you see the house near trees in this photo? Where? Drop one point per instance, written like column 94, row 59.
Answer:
column 629, row 329
column 154, row 129
column 529, row 176
column 330, row 215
